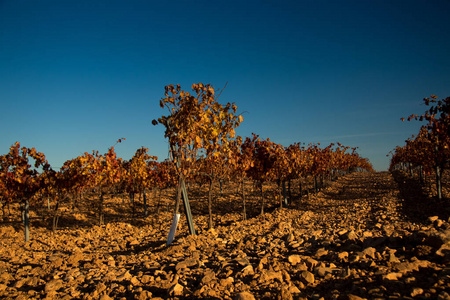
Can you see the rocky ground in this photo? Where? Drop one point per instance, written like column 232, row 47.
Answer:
column 366, row 236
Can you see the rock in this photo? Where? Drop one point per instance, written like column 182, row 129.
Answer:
column 105, row 297
column 294, row 259
column 267, row 275
column 75, row 258
column 146, row 278
column 226, row 282
column 322, row 271
column 393, row 258
column 144, row 295
column 367, row 234
column 134, row 281
column 99, row 288
column 307, row 277
column 53, row 285
column 248, row 270
column 176, row 290
column 432, row 219
column 343, row 255
column 405, row 267
column 351, row 235
column 321, row 252
column 242, row 261
column 244, row 296
column 354, row 297
column 56, row 261
column 444, row 249
column 20, row 283
column 393, row 276
column 416, row 291
column 188, row 263
column 208, row 277
column 124, row 276
column 294, row 289
column 285, row 293
column 290, row 238
column 370, row 252
column 311, row 262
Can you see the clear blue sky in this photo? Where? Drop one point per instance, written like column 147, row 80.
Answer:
column 75, row 76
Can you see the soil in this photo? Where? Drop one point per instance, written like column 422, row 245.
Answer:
column 364, row 236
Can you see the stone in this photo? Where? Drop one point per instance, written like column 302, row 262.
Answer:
column 354, row 297
column 290, row 238
column 444, row 249
column 248, row 270
column 125, row 276
column 393, row 276
column 53, row 285
column 294, row 289
column 432, row 218
column 146, row 278
column 20, row 283
column 227, row 282
column 75, row 258
column 321, row 252
column 208, row 277
column 144, row 295
column 99, row 288
column 416, row 291
column 311, row 262
column 307, row 277
column 343, row 255
column 267, row 275
column 351, row 235
column 176, row 290
column 444, row 295
column 285, row 293
column 244, row 296
column 188, row 263
column 242, row 261
column 322, row 271
column 370, row 251
column 134, row 281
column 393, row 258
column 294, row 259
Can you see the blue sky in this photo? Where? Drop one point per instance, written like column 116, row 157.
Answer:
column 75, row 76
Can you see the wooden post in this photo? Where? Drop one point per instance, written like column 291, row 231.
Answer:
column 184, row 195
column 26, row 220
column 284, row 194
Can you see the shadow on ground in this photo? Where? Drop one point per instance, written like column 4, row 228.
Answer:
column 417, row 204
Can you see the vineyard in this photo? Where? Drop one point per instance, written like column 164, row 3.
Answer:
column 204, row 150
column 256, row 219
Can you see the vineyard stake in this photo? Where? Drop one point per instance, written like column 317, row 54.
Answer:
column 187, row 207
column 27, row 221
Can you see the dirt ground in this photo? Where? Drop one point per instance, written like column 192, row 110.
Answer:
column 364, row 236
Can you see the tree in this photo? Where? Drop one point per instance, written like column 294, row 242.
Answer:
column 20, row 181
column 262, row 161
column 438, row 128
column 196, row 124
column 140, row 174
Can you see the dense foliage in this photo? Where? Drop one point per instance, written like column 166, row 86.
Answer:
column 429, row 151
